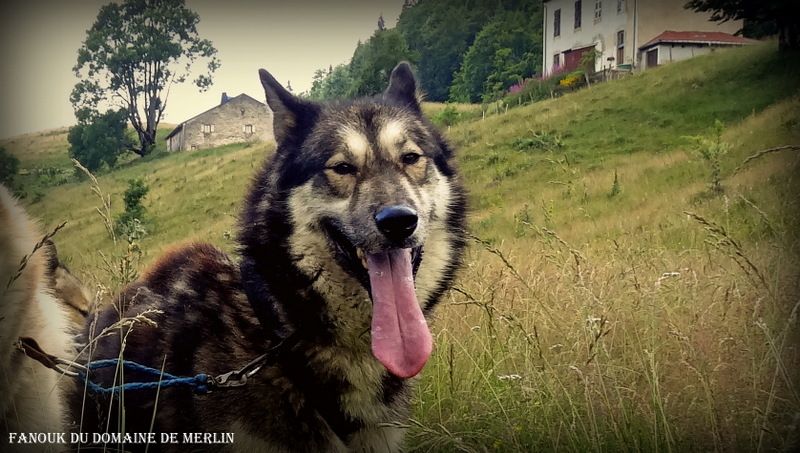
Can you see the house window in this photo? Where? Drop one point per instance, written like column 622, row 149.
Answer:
column 247, row 129
column 557, row 23
column 578, row 14
column 208, row 128
column 556, row 61
column 621, row 47
column 598, row 10
column 620, row 6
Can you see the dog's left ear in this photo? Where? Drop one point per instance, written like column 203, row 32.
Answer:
column 289, row 112
column 402, row 86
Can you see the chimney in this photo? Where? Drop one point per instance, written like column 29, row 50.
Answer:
column 224, row 98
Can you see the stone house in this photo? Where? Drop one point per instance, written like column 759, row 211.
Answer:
column 235, row 120
column 618, row 30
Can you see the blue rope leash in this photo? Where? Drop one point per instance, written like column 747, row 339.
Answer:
column 198, row 383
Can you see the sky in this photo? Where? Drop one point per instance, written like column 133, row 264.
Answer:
column 39, row 40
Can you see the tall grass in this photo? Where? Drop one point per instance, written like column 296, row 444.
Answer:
column 632, row 347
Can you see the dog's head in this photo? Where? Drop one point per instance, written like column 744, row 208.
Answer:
column 372, row 214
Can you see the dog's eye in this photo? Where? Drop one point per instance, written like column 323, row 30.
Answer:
column 343, row 168
column 410, row 158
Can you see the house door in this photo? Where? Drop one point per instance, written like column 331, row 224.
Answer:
column 652, row 58
column 572, row 58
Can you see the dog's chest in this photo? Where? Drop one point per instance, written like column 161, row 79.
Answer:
column 362, row 406
column 371, row 439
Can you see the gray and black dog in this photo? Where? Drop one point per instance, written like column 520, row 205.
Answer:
column 349, row 236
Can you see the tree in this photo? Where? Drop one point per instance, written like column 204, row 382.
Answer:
column 373, row 61
column 133, row 53
column 99, row 139
column 504, row 52
column 9, row 165
column 435, row 35
column 336, row 84
column 757, row 14
column 438, row 33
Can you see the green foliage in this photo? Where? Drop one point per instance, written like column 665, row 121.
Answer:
column 502, row 42
column 129, row 223
column 373, row 61
column 333, row 84
column 368, row 71
column 589, row 60
column 133, row 52
column 506, row 51
column 440, row 32
column 759, row 16
column 100, row 140
column 448, row 116
column 9, row 166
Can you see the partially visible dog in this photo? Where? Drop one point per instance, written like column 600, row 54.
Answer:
column 31, row 397
column 349, row 236
column 68, row 289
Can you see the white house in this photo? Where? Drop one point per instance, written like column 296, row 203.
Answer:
column 679, row 45
column 616, row 28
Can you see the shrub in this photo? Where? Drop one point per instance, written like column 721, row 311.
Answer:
column 535, row 89
column 130, row 221
column 573, row 80
column 447, row 116
column 615, row 187
column 711, row 150
column 9, row 165
column 542, row 140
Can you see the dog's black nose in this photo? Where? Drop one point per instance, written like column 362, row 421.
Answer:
column 396, row 222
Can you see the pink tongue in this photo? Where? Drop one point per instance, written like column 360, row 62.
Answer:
column 401, row 340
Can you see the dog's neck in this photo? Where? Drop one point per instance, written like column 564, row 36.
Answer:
column 346, row 384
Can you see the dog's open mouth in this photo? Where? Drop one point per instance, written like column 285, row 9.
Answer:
column 401, row 340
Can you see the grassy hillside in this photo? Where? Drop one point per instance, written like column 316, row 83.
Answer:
column 650, row 314
column 44, row 158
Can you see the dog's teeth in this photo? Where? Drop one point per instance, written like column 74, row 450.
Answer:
column 362, row 257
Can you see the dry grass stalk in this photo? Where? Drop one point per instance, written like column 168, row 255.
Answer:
column 105, row 201
column 24, row 261
column 764, row 152
column 728, row 245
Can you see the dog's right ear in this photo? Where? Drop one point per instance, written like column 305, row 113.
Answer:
column 288, row 111
column 403, row 86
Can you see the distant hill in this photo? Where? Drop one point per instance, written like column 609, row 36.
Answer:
column 44, row 157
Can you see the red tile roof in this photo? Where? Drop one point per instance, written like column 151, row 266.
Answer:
column 698, row 37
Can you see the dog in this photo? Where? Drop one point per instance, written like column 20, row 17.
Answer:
column 32, row 398
column 349, row 236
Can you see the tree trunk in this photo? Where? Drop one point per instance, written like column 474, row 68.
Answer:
column 788, row 36
column 147, row 141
